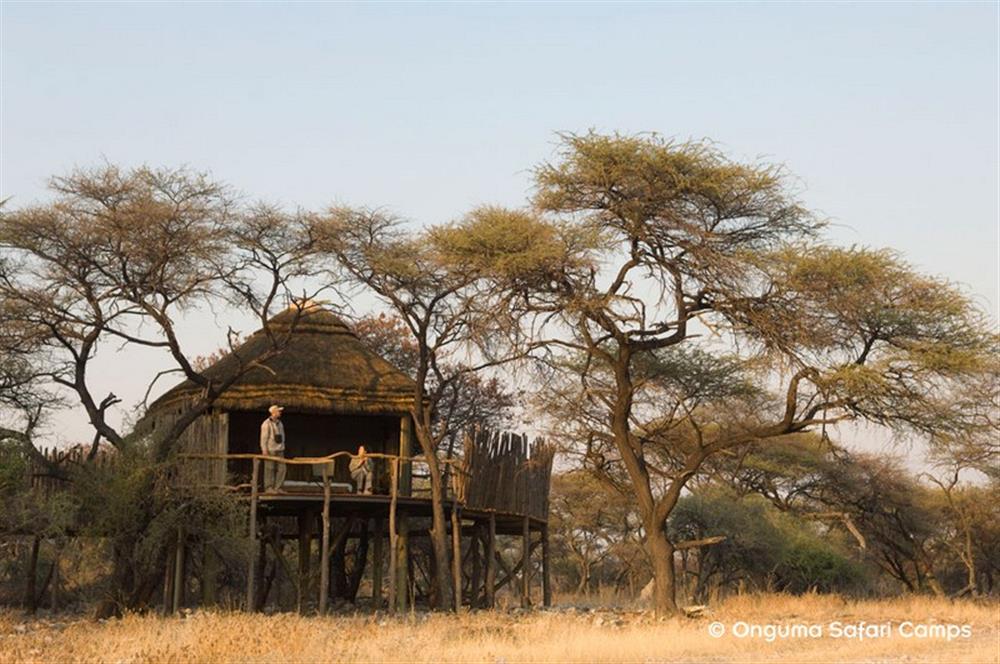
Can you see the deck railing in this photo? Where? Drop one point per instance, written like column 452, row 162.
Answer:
column 412, row 484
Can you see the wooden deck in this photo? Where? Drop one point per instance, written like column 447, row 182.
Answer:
column 397, row 514
column 378, row 506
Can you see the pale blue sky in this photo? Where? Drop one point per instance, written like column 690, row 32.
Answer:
column 887, row 113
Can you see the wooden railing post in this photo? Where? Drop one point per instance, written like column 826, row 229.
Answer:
column 324, row 570
column 252, row 572
column 393, row 556
column 405, row 471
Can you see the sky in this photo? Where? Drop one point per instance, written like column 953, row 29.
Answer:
column 886, row 114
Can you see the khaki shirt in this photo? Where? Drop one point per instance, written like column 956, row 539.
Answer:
column 271, row 431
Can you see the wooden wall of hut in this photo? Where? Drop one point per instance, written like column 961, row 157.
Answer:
column 209, row 434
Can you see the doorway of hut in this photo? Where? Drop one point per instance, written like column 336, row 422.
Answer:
column 317, row 435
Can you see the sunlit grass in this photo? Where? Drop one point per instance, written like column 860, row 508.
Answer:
column 534, row 637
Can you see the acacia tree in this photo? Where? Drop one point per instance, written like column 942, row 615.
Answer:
column 470, row 400
column 593, row 527
column 116, row 258
column 889, row 514
column 120, row 255
column 968, row 509
column 24, row 400
column 652, row 245
column 923, row 531
column 431, row 299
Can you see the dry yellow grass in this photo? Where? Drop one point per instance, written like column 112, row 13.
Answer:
column 545, row 636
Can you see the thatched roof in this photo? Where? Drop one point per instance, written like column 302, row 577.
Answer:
column 323, row 369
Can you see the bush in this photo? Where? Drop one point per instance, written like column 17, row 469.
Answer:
column 764, row 548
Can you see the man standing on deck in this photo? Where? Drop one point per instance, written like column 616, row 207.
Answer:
column 272, row 443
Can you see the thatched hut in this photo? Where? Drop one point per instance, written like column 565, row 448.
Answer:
column 337, row 395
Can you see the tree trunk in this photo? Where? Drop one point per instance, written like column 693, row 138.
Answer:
column 661, row 555
column 969, row 559
column 439, row 525
column 583, row 588
column 661, row 550
column 932, row 581
column 434, row 599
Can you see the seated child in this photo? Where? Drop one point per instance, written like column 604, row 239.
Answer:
column 361, row 471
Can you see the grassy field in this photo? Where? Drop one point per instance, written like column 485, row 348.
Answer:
column 903, row 630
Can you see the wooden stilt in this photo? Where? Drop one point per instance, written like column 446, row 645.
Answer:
column 305, row 555
column 404, row 590
column 393, row 552
column 511, row 572
column 338, row 562
column 428, row 569
column 491, row 564
column 266, row 579
column 252, row 572
column 324, row 562
column 360, row 562
column 30, row 594
column 378, row 560
column 168, row 582
column 178, row 571
column 274, row 540
column 546, row 568
column 525, row 564
column 456, row 556
column 410, row 579
column 477, row 574
column 508, row 574
column 209, row 575
column 54, row 599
